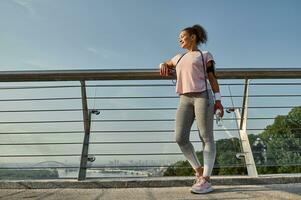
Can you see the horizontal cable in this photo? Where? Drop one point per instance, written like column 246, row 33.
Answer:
column 174, row 108
column 95, row 154
column 123, row 131
column 38, row 144
column 269, row 107
column 158, row 85
column 131, row 85
column 136, row 97
column 141, row 142
column 273, row 84
column 41, row 122
column 41, row 167
column 107, row 142
column 42, row 132
column 112, row 167
column 136, row 154
column 118, row 142
column 38, row 87
column 172, row 120
column 272, row 95
column 56, row 110
column 101, row 109
column 44, row 99
column 275, row 156
column 275, row 165
column 286, row 150
column 134, row 109
column 165, row 97
column 156, row 131
column 133, row 97
column 119, row 120
column 109, row 131
column 156, row 166
column 142, row 166
column 39, row 155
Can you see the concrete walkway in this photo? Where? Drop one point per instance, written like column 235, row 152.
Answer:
column 150, row 182
column 258, row 192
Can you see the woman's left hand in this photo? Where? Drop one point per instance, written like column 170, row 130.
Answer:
column 218, row 105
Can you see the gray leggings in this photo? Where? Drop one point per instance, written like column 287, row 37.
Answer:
column 196, row 106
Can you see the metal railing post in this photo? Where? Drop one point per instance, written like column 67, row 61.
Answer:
column 87, row 123
column 242, row 127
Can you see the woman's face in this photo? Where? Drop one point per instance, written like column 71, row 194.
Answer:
column 186, row 41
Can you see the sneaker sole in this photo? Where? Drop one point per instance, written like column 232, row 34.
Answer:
column 202, row 191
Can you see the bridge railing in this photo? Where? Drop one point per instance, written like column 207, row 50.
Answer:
column 112, row 123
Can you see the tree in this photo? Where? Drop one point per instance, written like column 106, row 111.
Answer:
column 282, row 139
column 226, row 162
column 280, row 151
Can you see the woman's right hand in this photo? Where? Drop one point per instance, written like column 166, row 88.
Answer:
column 164, row 70
column 218, row 106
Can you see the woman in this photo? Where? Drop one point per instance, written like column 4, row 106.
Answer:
column 193, row 68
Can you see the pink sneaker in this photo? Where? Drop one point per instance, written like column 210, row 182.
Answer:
column 201, row 187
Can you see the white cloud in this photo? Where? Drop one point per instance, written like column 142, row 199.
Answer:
column 104, row 53
column 38, row 64
column 92, row 50
column 26, row 4
column 35, row 64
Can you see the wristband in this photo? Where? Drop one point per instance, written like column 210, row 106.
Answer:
column 217, row 96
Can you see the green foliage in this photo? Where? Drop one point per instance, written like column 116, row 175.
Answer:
column 294, row 120
column 284, row 126
column 279, row 128
column 279, row 150
column 289, row 163
column 225, row 160
column 283, row 146
column 226, row 157
column 180, row 168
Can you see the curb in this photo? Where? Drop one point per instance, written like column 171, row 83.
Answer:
column 147, row 182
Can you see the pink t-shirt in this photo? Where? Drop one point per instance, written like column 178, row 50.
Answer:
column 190, row 72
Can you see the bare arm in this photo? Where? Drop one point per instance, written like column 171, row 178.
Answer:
column 169, row 64
column 165, row 68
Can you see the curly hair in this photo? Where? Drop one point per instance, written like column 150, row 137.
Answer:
column 199, row 31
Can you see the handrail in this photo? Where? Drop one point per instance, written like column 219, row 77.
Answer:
column 124, row 125
column 141, row 74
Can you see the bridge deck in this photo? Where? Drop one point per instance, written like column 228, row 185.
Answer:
column 258, row 192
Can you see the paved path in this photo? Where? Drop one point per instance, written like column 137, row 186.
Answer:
column 258, row 192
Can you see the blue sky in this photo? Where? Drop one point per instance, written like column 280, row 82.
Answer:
column 105, row 34
column 136, row 34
